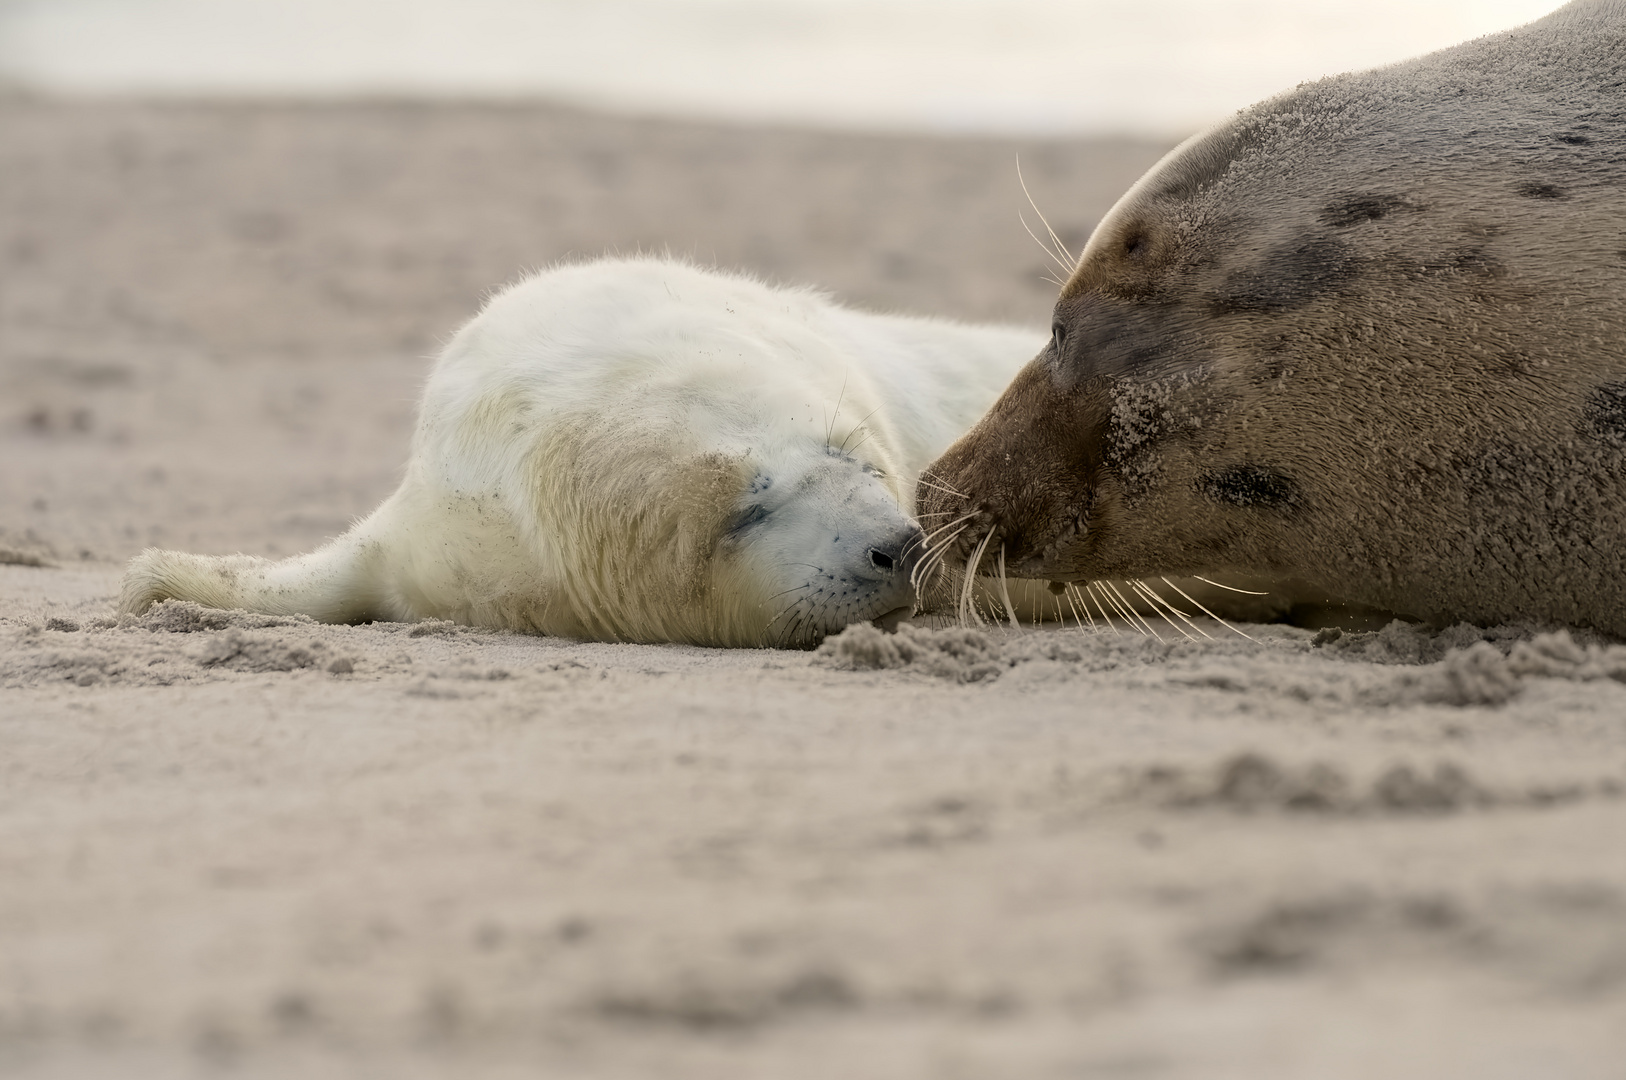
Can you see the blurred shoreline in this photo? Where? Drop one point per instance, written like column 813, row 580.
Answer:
column 990, row 67
column 242, row 297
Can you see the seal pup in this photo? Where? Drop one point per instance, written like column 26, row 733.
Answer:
column 1368, row 336
column 640, row 450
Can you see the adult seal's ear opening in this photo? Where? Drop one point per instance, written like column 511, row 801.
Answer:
column 1365, row 335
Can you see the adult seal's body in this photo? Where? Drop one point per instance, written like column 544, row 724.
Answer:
column 643, row 451
column 1369, row 336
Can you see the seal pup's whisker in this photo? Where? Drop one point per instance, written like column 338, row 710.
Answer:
column 857, row 444
column 856, row 428
column 1005, row 592
column 786, row 592
column 1210, row 614
column 790, row 607
column 830, row 420
column 1159, row 604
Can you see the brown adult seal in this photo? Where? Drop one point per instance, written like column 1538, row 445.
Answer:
column 1369, row 335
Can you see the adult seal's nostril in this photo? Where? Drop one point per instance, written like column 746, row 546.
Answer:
column 882, row 560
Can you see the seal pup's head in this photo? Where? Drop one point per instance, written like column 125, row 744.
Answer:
column 1364, row 335
column 768, row 545
column 692, row 504
column 827, row 535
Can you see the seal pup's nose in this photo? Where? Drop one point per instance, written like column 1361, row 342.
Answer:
column 899, row 554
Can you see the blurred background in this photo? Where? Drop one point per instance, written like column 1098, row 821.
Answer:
column 1158, row 67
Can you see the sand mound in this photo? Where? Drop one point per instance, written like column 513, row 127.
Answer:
column 1460, row 666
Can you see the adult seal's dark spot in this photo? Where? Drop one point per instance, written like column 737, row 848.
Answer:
column 1535, row 190
column 1365, row 336
column 1355, row 209
column 1604, row 415
column 1249, row 486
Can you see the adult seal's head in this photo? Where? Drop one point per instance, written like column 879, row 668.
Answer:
column 1369, row 335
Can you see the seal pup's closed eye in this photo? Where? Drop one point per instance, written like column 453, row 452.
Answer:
column 640, row 450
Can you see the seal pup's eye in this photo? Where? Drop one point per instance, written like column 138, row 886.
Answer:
column 747, row 518
column 1058, row 336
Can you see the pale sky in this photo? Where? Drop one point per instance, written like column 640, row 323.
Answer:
column 1055, row 66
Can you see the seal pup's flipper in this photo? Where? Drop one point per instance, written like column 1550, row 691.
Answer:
column 340, row 582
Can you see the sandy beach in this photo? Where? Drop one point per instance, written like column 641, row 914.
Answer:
column 261, row 847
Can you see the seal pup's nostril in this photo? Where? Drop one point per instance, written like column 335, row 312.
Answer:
column 899, row 553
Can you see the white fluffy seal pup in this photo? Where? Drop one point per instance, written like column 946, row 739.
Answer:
column 640, row 450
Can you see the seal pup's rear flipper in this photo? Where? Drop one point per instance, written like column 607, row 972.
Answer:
column 337, row 583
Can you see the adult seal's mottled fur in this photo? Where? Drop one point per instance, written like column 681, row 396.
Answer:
column 1368, row 336
column 639, row 450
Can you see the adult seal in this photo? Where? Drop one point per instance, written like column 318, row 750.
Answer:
column 1368, row 337
column 640, row 450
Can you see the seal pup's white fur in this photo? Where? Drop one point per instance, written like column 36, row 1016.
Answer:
column 640, row 450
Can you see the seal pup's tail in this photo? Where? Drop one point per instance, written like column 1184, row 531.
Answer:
column 337, row 583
